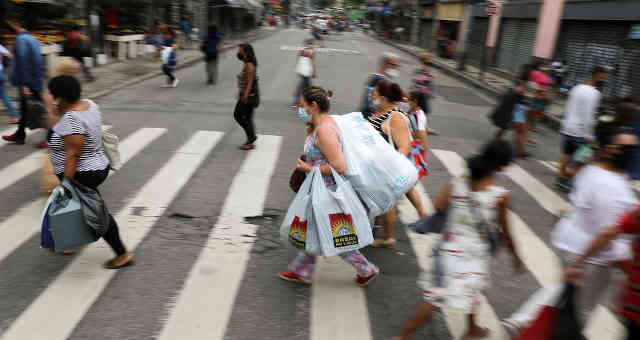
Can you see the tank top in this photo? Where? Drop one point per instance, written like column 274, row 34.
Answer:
column 379, row 121
column 315, row 156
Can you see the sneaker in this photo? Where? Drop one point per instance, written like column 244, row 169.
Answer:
column 175, row 83
column 13, row 138
column 42, row 145
column 364, row 281
column 293, row 277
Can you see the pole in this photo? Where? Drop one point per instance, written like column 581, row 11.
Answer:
column 464, row 37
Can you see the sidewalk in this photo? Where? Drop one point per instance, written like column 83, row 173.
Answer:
column 492, row 83
column 118, row 75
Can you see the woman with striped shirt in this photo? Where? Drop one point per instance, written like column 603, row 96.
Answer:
column 75, row 142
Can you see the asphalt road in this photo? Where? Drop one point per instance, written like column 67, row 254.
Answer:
column 212, row 186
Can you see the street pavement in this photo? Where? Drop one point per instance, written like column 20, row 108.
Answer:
column 203, row 217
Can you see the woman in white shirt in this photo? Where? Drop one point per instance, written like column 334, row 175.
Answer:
column 602, row 193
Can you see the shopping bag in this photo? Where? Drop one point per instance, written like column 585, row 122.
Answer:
column 377, row 172
column 298, row 227
column 46, row 239
column 94, row 209
column 341, row 219
column 417, row 156
column 567, row 325
column 66, row 219
column 48, row 178
column 111, row 146
column 304, row 67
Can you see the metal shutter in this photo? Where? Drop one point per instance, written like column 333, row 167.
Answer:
column 477, row 40
column 425, row 38
column 628, row 75
column 516, row 44
column 588, row 44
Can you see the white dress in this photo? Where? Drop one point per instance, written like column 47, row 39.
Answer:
column 461, row 267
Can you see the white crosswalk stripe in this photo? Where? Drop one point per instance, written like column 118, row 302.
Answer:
column 203, row 306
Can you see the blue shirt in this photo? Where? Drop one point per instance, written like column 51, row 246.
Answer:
column 28, row 68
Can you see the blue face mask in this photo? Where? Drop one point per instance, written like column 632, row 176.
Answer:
column 302, row 114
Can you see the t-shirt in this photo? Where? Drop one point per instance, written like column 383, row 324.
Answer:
column 599, row 197
column 87, row 123
column 3, row 54
column 541, row 78
column 417, row 121
column 580, row 111
column 630, row 309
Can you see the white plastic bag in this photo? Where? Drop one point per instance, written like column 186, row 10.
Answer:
column 378, row 173
column 529, row 311
column 298, row 227
column 304, row 67
column 341, row 219
column 111, row 146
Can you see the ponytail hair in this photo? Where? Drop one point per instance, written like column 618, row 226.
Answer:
column 494, row 156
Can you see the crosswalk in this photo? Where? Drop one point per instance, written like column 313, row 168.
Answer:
column 205, row 304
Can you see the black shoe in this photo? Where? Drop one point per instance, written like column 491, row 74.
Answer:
column 564, row 184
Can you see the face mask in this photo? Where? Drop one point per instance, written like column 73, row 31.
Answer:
column 302, row 114
column 623, row 159
column 392, row 73
column 404, row 107
column 375, row 103
column 240, row 56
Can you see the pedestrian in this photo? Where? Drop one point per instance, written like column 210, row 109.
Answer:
column 600, row 195
column 248, row 96
column 521, row 111
column 169, row 62
column 387, row 70
column 76, row 46
column 185, row 26
column 392, row 125
column 502, row 116
column 27, row 74
column 423, row 82
column 541, row 75
column 477, row 211
column 305, row 69
column 212, row 48
column 155, row 37
column 323, row 149
column 578, row 123
column 75, row 141
column 5, row 57
column 629, row 111
column 418, row 120
column 630, row 298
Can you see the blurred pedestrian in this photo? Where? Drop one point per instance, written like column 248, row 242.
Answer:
column 169, row 63
column 477, row 214
column 388, row 66
column 77, row 46
column 5, row 57
column 601, row 194
column 185, row 26
column 423, row 82
column 75, row 140
column 323, row 149
column 630, row 112
column 541, row 75
column 212, row 48
column 27, row 74
column 248, row 95
column 305, row 69
column 578, row 123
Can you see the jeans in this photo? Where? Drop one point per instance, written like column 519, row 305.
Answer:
column 22, row 125
column 212, row 70
column 305, row 82
column 243, row 114
column 4, row 98
column 169, row 72
column 93, row 179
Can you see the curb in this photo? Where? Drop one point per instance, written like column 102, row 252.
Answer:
column 188, row 63
column 551, row 121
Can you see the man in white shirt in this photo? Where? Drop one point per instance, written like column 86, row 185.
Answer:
column 579, row 120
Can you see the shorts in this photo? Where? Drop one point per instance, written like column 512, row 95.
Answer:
column 571, row 144
column 520, row 113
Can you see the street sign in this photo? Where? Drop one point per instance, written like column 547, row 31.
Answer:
column 492, row 8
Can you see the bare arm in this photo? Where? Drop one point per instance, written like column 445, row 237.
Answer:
column 73, row 145
column 443, row 199
column 503, row 222
column 421, row 136
column 400, row 134
column 329, row 144
column 252, row 75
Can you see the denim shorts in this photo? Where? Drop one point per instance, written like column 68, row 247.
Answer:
column 520, row 113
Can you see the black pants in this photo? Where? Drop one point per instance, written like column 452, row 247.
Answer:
column 633, row 330
column 244, row 116
column 305, row 82
column 169, row 72
column 22, row 124
column 93, row 179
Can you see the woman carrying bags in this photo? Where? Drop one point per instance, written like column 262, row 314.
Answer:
column 323, row 149
column 75, row 141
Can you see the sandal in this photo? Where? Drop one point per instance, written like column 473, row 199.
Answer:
column 120, row 261
column 248, row 146
column 382, row 243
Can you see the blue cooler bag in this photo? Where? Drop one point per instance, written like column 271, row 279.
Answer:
column 67, row 223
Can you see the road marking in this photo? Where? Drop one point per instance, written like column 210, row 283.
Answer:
column 13, row 231
column 546, row 197
column 541, row 261
column 10, row 131
column 205, row 303
column 80, row 284
column 422, row 247
column 551, row 165
column 321, row 50
column 24, row 167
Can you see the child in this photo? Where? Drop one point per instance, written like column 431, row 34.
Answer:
column 169, row 62
column 417, row 118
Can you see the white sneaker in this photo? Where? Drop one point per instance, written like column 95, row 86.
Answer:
column 176, row 82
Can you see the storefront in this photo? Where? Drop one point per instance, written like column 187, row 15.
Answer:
column 517, row 38
column 450, row 17
column 425, row 36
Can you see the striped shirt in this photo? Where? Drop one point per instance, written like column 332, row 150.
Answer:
column 87, row 123
column 377, row 122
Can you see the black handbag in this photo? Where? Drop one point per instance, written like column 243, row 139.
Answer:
column 432, row 224
column 35, row 113
column 254, row 97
